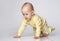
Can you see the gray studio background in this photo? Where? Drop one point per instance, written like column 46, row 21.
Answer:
column 11, row 16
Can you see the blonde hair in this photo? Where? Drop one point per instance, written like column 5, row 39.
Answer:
column 32, row 8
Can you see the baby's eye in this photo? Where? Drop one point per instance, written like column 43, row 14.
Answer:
column 26, row 14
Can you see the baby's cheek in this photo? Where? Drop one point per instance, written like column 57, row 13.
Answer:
column 28, row 16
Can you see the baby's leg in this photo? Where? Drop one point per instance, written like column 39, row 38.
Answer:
column 46, row 30
column 50, row 29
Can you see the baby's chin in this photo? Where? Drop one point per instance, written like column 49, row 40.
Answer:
column 28, row 19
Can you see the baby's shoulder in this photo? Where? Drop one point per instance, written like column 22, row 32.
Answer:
column 36, row 17
column 39, row 17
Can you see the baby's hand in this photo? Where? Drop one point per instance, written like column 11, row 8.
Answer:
column 16, row 36
column 36, row 37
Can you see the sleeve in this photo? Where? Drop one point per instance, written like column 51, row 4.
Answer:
column 23, row 26
column 38, row 26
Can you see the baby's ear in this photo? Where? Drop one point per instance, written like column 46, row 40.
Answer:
column 32, row 12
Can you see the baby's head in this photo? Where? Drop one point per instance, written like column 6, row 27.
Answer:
column 27, row 10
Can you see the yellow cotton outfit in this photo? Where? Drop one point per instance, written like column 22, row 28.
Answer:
column 38, row 23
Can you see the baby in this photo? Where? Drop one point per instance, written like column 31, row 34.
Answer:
column 38, row 23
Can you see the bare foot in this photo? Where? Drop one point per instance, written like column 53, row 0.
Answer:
column 45, row 35
column 16, row 36
column 52, row 29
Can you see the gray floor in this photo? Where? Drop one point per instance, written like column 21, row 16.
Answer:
column 30, row 38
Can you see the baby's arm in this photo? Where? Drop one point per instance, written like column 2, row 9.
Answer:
column 21, row 29
column 38, row 28
column 38, row 31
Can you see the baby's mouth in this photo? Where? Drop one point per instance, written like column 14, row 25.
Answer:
column 27, row 19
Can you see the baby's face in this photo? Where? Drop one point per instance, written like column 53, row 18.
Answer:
column 27, row 12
